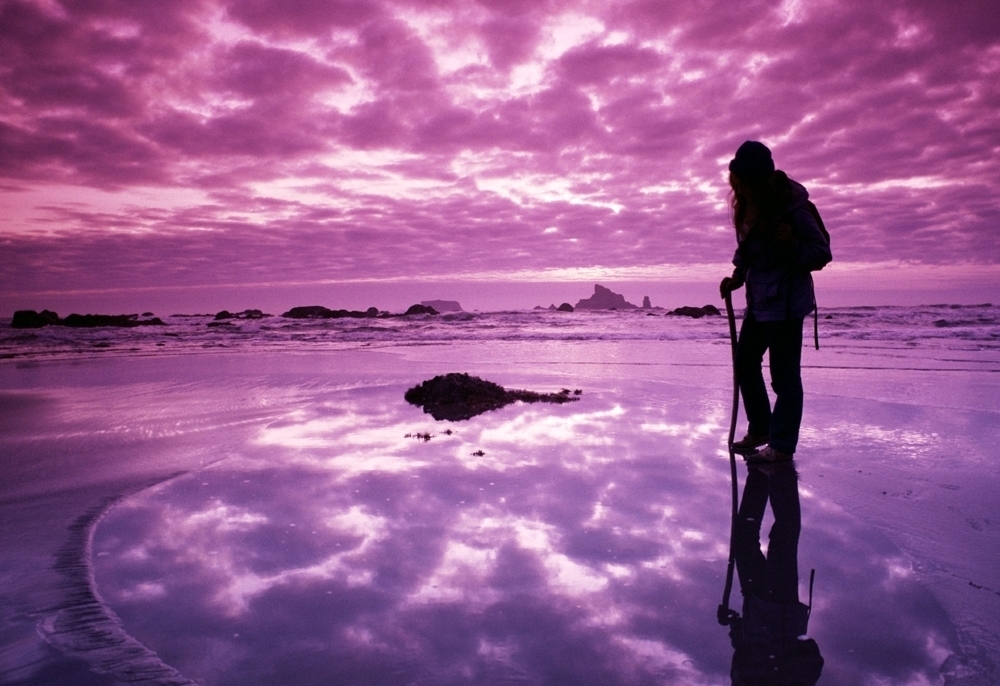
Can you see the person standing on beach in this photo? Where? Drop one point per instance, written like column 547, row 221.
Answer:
column 778, row 244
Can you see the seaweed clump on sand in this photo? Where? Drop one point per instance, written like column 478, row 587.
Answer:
column 455, row 396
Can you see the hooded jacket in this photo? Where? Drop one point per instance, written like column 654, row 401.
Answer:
column 777, row 274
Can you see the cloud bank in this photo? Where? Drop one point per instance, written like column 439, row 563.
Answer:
column 192, row 143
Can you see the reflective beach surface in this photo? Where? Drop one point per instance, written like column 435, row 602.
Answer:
column 584, row 544
column 276, row 518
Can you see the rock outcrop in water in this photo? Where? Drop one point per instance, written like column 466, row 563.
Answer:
column 419, row 309
column 29, row 319
column 695, row 312
column 120, row 320
column 565, row 307
column 245, row 314
column 605, row 299
column 320, row 312
column 455, row 396
column 443, row 305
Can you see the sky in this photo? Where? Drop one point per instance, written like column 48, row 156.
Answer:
column 197, row 155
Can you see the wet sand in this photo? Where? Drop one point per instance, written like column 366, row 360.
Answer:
column 265, row 519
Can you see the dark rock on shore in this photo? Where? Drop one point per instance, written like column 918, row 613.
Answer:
column 646, row 304
column 455, row 396
column 696, row 312
column 605, row 299
column 320, row 312
column 29, row 319
column 565, row 307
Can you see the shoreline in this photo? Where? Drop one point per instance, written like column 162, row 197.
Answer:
column 83, row 626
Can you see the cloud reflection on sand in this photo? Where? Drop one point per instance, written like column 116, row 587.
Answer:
column 586, row 545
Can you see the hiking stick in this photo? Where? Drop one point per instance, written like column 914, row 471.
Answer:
column 724, row 613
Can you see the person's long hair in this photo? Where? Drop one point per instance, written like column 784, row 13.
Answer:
column 757, row 204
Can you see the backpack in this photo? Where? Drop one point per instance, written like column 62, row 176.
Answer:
column 826, row 235
column 819, row 222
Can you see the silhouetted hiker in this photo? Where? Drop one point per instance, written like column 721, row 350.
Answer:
column 767, row 647
column 778, row 244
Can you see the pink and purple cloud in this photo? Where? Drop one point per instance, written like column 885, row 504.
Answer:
column 314, row 146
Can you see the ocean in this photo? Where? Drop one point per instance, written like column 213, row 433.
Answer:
column 929, row 336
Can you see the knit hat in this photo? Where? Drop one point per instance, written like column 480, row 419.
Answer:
column 752, row 161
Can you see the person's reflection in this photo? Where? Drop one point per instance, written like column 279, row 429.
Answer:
column 767, row 638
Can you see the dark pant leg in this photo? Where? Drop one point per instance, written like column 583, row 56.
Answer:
column 775, row 577
column 749, row 358
column 784, row 341
column 751, row 566
column 783, row 540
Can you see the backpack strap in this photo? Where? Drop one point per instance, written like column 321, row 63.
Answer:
column 815, row 323
column 812, row 578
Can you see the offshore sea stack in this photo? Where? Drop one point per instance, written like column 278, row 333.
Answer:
column 605, row 299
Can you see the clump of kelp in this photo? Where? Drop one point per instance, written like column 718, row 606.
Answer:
column 457, row 396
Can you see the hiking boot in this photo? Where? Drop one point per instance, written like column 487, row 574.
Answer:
column 768, row 454
column 749, row 444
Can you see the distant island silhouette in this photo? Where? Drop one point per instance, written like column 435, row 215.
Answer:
column 605, row 299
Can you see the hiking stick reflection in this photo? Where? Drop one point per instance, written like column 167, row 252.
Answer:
column 767, row 638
